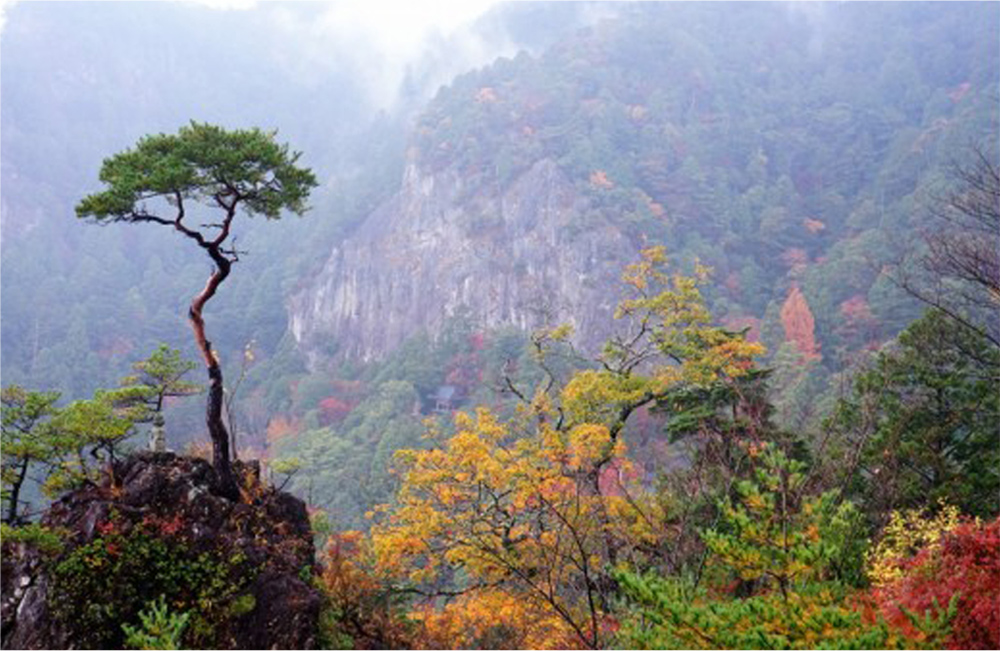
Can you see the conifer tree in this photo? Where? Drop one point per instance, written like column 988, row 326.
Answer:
column 164, row 178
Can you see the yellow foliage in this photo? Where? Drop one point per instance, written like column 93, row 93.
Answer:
column 522, row 510
column 538, row 508
column 491, row 619
column 908, row 532
column 588, row 443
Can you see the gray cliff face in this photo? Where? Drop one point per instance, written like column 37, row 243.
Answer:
column 531, row 257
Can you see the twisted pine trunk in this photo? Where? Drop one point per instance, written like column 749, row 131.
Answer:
column 213, row 411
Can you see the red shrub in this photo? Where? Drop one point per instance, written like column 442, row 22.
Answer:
column 334, row 410
column 966, row 562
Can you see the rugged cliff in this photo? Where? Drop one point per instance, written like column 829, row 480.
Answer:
column 532, row 254
column 719, row 135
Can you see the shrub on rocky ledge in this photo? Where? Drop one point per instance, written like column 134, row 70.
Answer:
column 162, row 532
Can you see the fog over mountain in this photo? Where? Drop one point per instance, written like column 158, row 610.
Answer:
column 656, row 248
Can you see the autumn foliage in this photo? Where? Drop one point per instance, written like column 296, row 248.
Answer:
column 536, row 527
column 535, row 510
column 800, row 327
column 281, row 427
column 491, row 619
column 361, row 611
column 963, row 564
column 334, row 410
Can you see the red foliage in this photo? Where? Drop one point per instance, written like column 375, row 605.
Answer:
column 281, row 426
column 172, row 526
column 795, row 258
column 364, row 612
column 107, row 528
column 859, row 324
column 464, row 371
column 162, row 525
column 800, row 328
column 967, row 563
column 856, row 308
column 344, row 397
column 615, row 476
column 334, row 410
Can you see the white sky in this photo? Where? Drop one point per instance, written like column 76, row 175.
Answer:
column 397, row 20
column 401, row 24
column 382, row 35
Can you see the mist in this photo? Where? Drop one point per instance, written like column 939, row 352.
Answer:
column 533, row 258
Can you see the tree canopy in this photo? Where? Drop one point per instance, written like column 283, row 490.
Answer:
column 204, row 163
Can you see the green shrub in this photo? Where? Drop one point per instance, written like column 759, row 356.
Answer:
column 104, row 584
column 161, row 628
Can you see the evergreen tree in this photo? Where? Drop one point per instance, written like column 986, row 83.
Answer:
column 164, row 177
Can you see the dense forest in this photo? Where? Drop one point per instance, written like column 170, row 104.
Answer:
column 579, row 325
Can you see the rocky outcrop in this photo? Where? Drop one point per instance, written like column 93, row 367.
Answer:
column 161, row 526
column 530, row 256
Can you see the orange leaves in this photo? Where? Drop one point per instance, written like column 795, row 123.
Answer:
column 532, row 512
column 512, row 507
column 492, row 619
column 342, row 575
column 363, row 611
column 589, row 443
column 486, row 95
column 800, row 328
column 795, row 259
column 639, row 274
column 599, row 179
column 281, row 427
column 812, row 225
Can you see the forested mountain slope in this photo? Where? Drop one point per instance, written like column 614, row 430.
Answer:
column 795, row 151
column 81, row 81
column 602, row 330
column 790, row 149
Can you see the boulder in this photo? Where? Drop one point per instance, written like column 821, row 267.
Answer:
column 261, row 546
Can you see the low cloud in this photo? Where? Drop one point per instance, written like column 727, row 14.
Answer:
column 381, row 40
